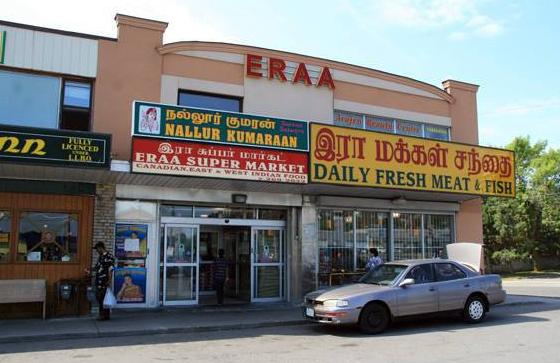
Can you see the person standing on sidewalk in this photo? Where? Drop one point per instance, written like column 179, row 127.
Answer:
column 103, row 276
column 220, row 272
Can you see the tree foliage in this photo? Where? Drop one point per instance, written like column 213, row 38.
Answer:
column 530, row 222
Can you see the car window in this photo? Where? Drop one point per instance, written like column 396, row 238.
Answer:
column 385, row 274
column 448, row 271
column 421, row 274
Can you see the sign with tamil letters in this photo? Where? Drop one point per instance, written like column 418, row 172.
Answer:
column 184, row 158
column 347, row 156
column 48, row 146
column 197, row 124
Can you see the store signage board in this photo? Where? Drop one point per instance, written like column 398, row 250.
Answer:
column 48, row 146
column 347, row 156
column 169, row 157
column 279, row 69
column 196, row 124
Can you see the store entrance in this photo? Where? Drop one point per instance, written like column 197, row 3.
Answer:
column 236, row 243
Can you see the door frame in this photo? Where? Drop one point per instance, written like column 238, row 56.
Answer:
column 251, row 223
column 195, row 264
column 281, row 264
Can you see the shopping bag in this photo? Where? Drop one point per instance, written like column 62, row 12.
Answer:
column 109, row 301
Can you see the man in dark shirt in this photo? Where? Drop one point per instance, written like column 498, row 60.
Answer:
column 103, row 276
column 220, row 273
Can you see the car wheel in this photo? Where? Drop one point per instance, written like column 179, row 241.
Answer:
column 475, row 310
column 374, row 318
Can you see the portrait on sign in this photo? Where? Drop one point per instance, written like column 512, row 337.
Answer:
column 150, row 120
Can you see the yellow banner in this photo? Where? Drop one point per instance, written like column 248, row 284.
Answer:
column 364, row 158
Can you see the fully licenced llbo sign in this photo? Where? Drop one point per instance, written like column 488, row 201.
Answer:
column 204, row 125
column 346, row 156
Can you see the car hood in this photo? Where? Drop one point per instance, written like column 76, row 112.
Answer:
column 345, row 292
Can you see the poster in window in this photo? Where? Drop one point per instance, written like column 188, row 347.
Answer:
column 131, row 241
column 130, row 285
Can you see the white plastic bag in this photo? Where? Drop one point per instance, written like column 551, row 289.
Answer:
column 109, row 301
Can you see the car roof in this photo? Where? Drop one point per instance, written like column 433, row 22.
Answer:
column 420, row 261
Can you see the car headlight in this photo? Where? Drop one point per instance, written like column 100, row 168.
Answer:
column 335, row 303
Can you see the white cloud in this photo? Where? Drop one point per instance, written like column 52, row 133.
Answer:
column 484, row 26
column 463, row 19
column 526, row 107
column 98, row 17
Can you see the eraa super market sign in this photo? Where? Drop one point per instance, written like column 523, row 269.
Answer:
column 275, row 68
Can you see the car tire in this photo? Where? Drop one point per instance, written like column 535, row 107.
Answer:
column 374, row 318
column 475, row 310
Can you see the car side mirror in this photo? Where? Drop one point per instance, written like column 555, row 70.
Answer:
column 406, row 282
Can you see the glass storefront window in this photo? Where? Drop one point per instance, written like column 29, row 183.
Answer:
column 336, row 243
column 211, row 101
column 272, row 214
column 267, row 282
column 181, row 245
column 348, row 119
column 408, row 128
column 176, row 211
column 47, row 236
column 180, row 283
column 268, row 246
column 436, row 132
column 371, row 231
column 438, row 232
column 5, row 229
column 343, row 233
column 407, row 236
column 217, row 212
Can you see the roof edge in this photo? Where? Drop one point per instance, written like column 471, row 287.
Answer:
column 55, row 31
column 238, row 48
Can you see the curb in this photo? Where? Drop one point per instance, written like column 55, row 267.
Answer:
column 183, row 330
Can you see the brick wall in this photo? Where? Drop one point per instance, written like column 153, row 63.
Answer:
column 104, row 218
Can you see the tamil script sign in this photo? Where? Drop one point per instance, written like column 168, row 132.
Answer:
column 196, row 124
column 155, row 156
column 364, row 158
column 68, row 148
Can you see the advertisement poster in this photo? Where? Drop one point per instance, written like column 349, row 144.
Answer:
column 131, row 241
column 364, row 158
column 130, row 285
column 47, row 146
column 155, row 156
column 197, row 124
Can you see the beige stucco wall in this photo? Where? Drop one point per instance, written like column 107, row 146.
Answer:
column 465, row 129
column 128, row 69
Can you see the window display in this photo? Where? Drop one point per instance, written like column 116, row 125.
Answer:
column 45, row 236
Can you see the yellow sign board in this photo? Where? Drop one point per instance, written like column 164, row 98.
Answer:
column 364, row 158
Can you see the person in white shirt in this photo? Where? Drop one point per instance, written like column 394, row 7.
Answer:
column 374, row 260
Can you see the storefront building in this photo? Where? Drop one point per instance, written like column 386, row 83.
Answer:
column 47, row 151
column 293, row 165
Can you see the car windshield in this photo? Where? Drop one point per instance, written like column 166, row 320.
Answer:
column 383, row 274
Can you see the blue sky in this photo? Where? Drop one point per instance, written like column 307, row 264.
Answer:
column 510, row 48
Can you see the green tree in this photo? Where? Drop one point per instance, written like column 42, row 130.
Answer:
column 530, row 222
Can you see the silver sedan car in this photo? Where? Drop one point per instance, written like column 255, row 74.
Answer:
column 406, row 288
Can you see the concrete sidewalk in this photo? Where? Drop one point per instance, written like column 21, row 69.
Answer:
column 175, row 320
column 148, row 322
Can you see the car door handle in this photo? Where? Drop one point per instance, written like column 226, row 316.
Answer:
column 467, row 285
column 432, row 289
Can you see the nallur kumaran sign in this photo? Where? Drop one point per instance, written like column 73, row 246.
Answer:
column 364, row 158
column 203, row 125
